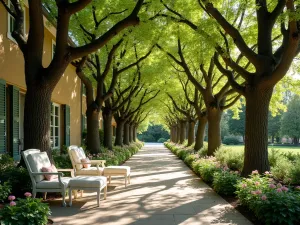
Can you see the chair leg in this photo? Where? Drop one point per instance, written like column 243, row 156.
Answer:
column 129, row 179
column 70, row 197
column 105, row 192
column 109, row 179
column 125, row 180
column 33, row 193
column 45, row 196
column 98, row 197
column 63, row 198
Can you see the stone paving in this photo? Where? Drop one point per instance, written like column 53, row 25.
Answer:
column 163, row 191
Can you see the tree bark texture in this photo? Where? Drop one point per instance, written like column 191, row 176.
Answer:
column 178, row 133
column 126, row 134
column 92, row 122
column 37, row 118
column 108, row 132
column 256, row 131
column 191, row 133
column 119, row 133
column 182, row 131
column 134, row 133
column 200, row 133
column 214, row 130
column 130, row 132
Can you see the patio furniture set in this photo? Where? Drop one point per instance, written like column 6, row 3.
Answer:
column 84, row 176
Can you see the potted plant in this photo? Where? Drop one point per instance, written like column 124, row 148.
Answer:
column 28, row 211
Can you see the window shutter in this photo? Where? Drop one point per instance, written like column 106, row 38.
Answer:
column 14, row 121
column 67, row 124
column 3, row 144
column 83, row 122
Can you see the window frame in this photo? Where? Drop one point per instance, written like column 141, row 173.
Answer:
column 55, row 145
column 9, row 36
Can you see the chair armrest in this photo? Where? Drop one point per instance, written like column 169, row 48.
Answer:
column 46, row 173
column 67, row 170
column 97, row 164
column 102, row 162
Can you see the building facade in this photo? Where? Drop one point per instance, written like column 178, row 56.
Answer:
column 68, row 101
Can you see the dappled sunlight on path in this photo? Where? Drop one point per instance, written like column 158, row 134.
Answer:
column 163, row 190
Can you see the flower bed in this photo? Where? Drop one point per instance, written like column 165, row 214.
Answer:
column 273, row 199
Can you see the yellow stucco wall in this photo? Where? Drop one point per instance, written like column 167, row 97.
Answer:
column 67, row 91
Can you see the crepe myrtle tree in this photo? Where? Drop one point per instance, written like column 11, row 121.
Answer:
column 128, row 110
column 188, row 111
column 198, row 103
column 216, row 99
column 171, row 123
column 40, row 80
column 271, row 65
column 95, row 104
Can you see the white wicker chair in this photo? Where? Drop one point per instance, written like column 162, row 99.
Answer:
column 35, row 160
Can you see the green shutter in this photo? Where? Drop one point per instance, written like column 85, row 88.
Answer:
column 3, row 144
column 67, row 124
column 14, row 121
column 83, row 123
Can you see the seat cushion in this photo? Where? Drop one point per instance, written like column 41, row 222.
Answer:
column 53, row 184
column 116, row 170
column 92, row 171
column 88, row 182
column 36, row 162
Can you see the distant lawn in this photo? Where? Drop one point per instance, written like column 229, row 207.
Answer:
column 281, row 148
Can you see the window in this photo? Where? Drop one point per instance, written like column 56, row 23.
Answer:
column 11, row 22
column 53, row 48
column 55, row 126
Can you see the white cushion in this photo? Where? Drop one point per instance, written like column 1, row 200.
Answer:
column 88, row 182
column 115, row 170
column 36, row 162
column 92, row 171
column 81, row 153
column 53, row 184
column 76, row 158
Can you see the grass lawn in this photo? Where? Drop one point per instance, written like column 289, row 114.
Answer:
column 281, row 148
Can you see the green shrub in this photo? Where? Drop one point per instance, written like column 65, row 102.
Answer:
column 6, row 161
column 224, row 182
column 62, row 161
column 272, row 203
column 196, row 166
column 291, row 156
column 231, row 158
column 183, row 153
column 207, row 169
column 190, row 159
column 282, row 169
column 5, row 190
column 25, row 212
column 231, row 140
column 18, row 178
column 274, row 155
column 162, row 140
column 295, row 173
column 203, row 151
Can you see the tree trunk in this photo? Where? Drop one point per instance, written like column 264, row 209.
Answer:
column 37, row 118
column 178, row 132
column 200, row 133
column 214, row 130
column 296, row 141
column 92, row 122
column 191, row 133
column 108, row 132
column 273, row 138
column 174, row 139
column 130, row 133
column 134, row 133
column 182, row 131
column 126, row 134
column 119, row 133
column 256, row 131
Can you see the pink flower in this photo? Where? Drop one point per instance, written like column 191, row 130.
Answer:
column 236, row 172
column 257, row 183
column 28, row 194
column 244, row 185
column 272, row 186
column 253, row 192
column 279, row 185
column 258, row 192
column 278, row 190
column 267, row 172
column 254, row 172
column 264, row 198
column 11, row 198
column 12, row 203
column 297, row 188
column 284, row 188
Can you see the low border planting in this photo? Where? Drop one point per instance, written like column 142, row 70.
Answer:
column 273, row 198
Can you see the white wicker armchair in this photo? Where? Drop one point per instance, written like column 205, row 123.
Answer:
column 35, row 160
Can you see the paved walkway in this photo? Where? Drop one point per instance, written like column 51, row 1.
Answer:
column 163, row 191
